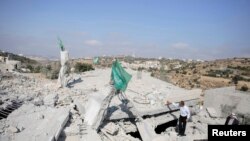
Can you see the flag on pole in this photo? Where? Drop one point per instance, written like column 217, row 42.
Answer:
column 119, row 76
column 61, row 44
column 96, row 60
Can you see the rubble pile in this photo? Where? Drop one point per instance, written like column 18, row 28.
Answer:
column 49, row 113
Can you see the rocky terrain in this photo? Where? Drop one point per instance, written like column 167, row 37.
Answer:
column 208, row 74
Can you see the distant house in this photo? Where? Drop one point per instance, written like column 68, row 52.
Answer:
column 13, row 65
column 177, row 66
column 166, row 67
column 9, row 65
column 218, row 75
column 147, row 65
column 2, row 59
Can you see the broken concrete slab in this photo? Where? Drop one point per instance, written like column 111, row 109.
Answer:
column 71, row 131
column 5, row 138
column 65, row 99
column 97, row 107
column 185, row 95
column 226, row 100
column 122, row 114
column 164, row 118
column 38, row 101
column 103, row 112
column 80, row 107
column 146, row 130
column 111, row 128
column 92, row 107
column 127, row 126
column 47, row 128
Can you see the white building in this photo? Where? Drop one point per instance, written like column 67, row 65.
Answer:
column 146, row 65
column 9, row 65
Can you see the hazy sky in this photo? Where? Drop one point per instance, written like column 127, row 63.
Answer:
column 204, row 29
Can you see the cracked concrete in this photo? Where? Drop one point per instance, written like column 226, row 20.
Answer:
column 66, row 114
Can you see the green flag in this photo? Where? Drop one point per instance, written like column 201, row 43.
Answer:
column 96, row 60
column 119, row 76
column 61, row 44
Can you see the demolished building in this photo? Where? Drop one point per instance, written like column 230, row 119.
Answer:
column 47, row 113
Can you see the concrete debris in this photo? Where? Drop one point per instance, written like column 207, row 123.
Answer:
column 212, row 113
column 50, row 100
column 37, row 110
column 70, row 131
column 92, row 108
column 228, row 100
column 47, row 128
column 78, row 122
column 92, row 135
column 127, row 126
column 38, row 101
column 65, row 100
column 63, row 73
column 111, row 128
column 73, row 111
column 146, row 130
column 13, row 129
column 80, row 107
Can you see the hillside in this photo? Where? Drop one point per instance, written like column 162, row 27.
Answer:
column 209, row 74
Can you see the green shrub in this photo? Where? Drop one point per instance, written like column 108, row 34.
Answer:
column 184, row 72
column 235, row 79
column 82, row 67
column 221, row 73
column 51, row 74
column 48, row 67
column 37, row 69
column 244, row 88
column 30, row 67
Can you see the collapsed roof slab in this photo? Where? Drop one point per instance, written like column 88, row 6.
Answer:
column 39, row 123
column 155, row 92
column 146, row 127
column 161, row 119
column 124, row 113
column 146, row 130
